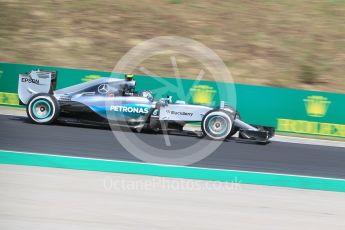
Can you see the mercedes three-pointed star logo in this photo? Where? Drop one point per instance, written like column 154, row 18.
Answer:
column 103, row 88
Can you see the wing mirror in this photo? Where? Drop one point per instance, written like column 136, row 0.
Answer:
column 165, row 101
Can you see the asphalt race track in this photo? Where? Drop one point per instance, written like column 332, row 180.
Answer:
column 17, row 134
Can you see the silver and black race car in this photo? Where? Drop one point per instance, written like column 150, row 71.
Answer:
column 115, row 101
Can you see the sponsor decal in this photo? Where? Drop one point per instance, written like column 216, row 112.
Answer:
column 30, row 80
column 202, row 94
column 311, row 127
column 125, row 109
column 317, row 107
column 9, row 98
column 178, row 113
column 90, row 78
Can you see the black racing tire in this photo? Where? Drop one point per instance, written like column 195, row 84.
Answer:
column 217, row 124
column 43, row 108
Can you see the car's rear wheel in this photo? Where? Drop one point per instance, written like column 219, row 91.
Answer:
column 43, row 109
column 217, row 124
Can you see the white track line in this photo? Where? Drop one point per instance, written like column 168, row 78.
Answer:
column 308, row 141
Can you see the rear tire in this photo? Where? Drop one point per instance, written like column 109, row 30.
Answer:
column 43, row 108
column 217, row 124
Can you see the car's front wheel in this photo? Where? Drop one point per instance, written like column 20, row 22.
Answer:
column 217, row 124
column 43, row 109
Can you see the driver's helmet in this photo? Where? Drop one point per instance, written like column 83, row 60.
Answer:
column 129, row 77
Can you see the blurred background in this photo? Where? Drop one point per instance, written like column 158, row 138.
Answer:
column 294, row 44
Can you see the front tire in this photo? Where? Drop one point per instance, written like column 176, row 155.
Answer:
column 217, row 124
column 43, row 109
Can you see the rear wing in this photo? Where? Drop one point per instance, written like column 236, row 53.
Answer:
column 37, row 81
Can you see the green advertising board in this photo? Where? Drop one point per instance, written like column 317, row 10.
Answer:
column 289, row 110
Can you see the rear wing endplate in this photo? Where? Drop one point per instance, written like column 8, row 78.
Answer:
column 37, row 81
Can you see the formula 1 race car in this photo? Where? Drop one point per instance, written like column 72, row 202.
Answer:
column 115, row 101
